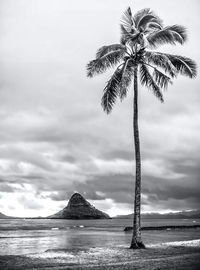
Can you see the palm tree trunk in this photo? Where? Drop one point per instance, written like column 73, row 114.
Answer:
column 136, row 238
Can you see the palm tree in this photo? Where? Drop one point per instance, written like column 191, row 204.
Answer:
column 134, row 56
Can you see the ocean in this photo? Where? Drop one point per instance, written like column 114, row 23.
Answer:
column 25, row 236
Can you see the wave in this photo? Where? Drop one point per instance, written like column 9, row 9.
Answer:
column 187, row 243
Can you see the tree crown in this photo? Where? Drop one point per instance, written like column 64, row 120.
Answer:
column 140, row 33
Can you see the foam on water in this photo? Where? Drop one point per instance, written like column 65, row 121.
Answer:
column 189, row 243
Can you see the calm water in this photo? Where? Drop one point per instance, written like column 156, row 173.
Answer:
column 22, row 236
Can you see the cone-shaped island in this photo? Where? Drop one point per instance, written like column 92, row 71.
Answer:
column 79, row 208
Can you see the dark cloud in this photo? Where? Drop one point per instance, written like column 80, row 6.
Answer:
column 68, row 158
column 118, row 154
column 4, row 187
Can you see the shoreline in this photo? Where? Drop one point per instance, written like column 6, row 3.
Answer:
column 164, row 227
column 172, row 255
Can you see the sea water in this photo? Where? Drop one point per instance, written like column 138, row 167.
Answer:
column 24, row 236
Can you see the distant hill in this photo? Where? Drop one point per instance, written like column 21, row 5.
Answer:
column 79, row 208
column 2, row 216
column 178, row 215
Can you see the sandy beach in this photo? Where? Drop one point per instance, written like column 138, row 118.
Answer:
column 173, row 255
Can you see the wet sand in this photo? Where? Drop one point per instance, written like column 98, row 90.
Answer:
column 173, row 255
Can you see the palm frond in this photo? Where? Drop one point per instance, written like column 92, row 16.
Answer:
column 153, row 25
column 127, row 36
column 126, row 78
column 111, row 91
column 145, row 20
column 168, row 35
column 127, row 21
column 160, row 37
column 139, row 17
column 161, row 79
column 110, row 48
column 139, row 14
column 161, row 60
column 143, row 41
column 179, row 32
column 147, row 80
column 183, row 65
column 101, row 64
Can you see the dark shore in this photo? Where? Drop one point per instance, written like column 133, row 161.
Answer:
column 166, row 227
column 174, row 255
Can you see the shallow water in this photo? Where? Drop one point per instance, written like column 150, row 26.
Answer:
column 38, row 235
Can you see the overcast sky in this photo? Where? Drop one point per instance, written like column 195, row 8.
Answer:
column 54, row 137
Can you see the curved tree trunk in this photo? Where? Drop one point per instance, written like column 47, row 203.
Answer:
column 136, row 238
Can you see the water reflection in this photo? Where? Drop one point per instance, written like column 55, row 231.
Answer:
column 40, row 241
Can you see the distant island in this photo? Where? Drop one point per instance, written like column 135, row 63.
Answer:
column 79, row 208
column 2, row 216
